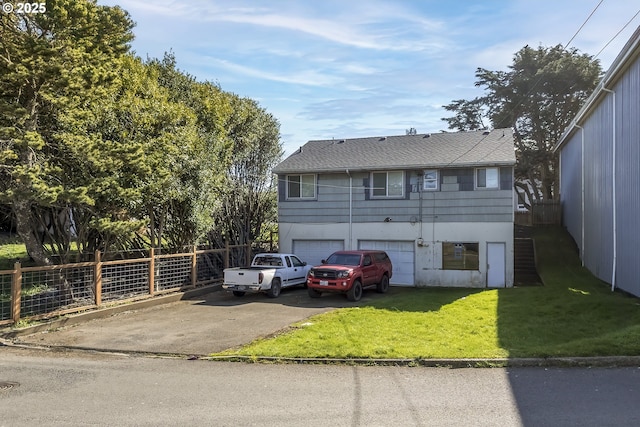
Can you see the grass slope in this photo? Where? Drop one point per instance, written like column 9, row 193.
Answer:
column 574, row 314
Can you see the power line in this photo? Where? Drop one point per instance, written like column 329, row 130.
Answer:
column 584, row 23
column 617, row 34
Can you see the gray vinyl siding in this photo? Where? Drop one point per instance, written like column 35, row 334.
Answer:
column 598, row 183
column 332, row 203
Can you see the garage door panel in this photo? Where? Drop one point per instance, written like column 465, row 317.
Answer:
column 402, row 257
column 314, row 251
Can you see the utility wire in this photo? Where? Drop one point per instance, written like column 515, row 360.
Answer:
column 618, row 33
column 584, row 23
column 539, row 79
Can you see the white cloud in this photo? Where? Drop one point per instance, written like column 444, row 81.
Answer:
column 344, row 68
column 308, row 78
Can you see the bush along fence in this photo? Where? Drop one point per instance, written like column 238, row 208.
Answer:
column 35, row 293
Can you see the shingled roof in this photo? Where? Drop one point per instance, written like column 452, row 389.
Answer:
column 438, row 150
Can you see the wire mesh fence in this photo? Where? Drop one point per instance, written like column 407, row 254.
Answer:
column 40, row 292
column 124, row 280
column 5, row 295
column 52, row 289
column 173, row 272
column 209, row 265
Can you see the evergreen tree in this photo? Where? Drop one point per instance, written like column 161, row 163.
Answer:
column 53, row 66
column 538, row 97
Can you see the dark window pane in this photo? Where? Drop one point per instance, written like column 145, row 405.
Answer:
column 293, row 182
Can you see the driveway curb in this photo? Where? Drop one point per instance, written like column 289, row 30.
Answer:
column 565, row 362
column 551, row 362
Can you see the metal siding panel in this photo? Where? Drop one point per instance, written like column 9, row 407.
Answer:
column 598, row 171
column 628, row 180
column 598, row 230
column 571, row 190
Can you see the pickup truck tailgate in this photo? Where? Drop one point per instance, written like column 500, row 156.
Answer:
column 242, row 276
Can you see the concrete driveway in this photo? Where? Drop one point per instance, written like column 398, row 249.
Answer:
column 198, row 326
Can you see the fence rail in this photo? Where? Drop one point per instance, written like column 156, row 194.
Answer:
column 33, row 293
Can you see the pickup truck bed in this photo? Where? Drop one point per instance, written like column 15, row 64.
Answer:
column 268, row 273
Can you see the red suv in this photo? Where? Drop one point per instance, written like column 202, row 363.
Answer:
column 350, row 272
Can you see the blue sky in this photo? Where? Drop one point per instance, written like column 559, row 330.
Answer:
column 347, row 68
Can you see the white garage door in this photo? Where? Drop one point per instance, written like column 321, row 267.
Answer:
column 402, row 257
column 314, row 251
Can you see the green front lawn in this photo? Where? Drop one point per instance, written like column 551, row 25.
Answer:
column 574, row 314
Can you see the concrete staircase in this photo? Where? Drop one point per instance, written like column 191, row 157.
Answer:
column 524, row 263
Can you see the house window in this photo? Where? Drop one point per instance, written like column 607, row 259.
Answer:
column 430, row 181
column 301, row 186
column 487, row 178
column 460, row 256
column 388, row 184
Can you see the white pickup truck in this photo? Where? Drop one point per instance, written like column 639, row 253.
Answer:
column 268, row 273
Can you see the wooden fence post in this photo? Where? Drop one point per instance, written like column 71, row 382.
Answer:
column 98, row 278
column 16, row 287
column 152, row 271
column 226, row 254
column 194, row 267
column 247, row 254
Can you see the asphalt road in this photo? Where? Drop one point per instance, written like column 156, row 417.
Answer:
column 51, row 382
column 71, row 389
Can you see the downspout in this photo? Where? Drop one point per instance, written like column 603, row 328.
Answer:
column 350, row 209
column 420, row 184
column 581, row 194
column 613, row 192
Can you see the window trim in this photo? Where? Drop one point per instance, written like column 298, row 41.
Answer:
column 475, row 178
column 387, row 196
column 436, row 180
column 301, row 197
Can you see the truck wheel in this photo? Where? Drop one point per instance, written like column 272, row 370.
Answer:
column 238, row 293
column 313, row 293
column 274, row 292
column 383, row 286
column 355, row 293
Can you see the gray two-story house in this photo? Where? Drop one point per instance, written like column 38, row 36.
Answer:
column 441, row 205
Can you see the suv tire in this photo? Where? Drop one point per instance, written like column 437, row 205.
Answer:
column 383, row 286
column 355, row 293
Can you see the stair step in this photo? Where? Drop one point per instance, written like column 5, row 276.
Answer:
column 525, row 272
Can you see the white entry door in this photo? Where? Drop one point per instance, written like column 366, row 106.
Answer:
column 496, row 265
